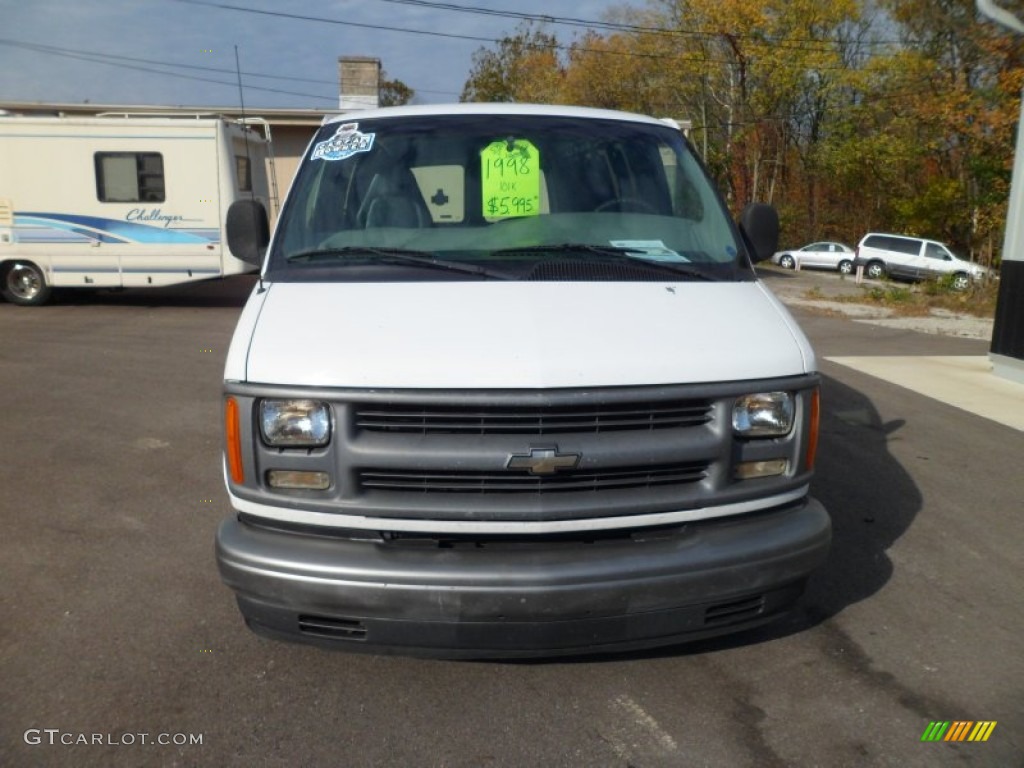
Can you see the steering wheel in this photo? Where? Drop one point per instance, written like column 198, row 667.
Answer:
column 626, row 205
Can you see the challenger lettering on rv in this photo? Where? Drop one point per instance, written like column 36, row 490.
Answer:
column 155, row 215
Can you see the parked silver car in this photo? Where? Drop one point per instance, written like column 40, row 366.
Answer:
column 823, row 255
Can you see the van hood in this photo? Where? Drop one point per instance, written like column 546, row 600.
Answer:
column 514, row 335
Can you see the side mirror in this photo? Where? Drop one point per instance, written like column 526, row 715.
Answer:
column 248, row 231
column 760, row 223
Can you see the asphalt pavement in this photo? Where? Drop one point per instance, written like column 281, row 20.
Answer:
column 116, row 633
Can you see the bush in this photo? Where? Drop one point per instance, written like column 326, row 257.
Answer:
column 941, row 286
column 876, row 293
column 979, row 299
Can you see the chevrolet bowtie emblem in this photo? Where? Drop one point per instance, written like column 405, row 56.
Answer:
column 543, row 461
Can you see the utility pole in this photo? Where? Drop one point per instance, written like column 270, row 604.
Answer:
column 1007, row 350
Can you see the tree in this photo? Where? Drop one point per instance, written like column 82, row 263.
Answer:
column 957, row 106
column 524, row 67
column 848, row 115
column 393, row 92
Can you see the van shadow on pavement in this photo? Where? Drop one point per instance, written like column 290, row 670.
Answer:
column 872, row 501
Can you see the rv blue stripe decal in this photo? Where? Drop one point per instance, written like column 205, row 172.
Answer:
column 89, row 268
column 178, row 270
column 49, row 236
column 45, row 231
column 115, row 230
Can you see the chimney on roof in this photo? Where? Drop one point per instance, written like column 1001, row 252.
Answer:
column 359, row 78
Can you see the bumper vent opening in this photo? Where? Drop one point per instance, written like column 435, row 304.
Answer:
column 333, row 628
column 738, row 610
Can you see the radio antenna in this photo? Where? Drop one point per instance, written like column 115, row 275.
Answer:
column 245, row 126
column 245, row 136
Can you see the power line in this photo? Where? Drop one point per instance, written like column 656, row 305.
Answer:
column 115, row 60
column 339, row 22
column 541, row 18
column 55, row 49
column 614, row 26
column 101, row 59
column 111, row 59
column 479, row 38
column 409, row 31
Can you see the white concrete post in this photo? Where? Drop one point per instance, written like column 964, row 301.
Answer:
column 1007, row 350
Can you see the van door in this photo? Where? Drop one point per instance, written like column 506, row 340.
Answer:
column 916, row 266
column 937, row 260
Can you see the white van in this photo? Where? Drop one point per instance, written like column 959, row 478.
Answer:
column 510, row 386
column 914, row 258
column 120, row 201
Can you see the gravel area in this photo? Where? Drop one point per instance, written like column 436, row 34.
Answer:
column 792, row 288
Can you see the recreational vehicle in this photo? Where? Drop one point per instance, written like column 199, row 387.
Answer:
column 120, row 201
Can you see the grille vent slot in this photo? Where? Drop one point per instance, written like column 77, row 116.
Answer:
column 544, row 420
column 484, row 482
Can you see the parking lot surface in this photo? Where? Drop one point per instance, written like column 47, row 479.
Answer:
column 119, row 645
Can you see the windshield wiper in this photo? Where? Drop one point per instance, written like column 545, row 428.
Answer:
column 398, row 256
column 608, row 253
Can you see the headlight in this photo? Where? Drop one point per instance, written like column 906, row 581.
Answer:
column 295, row 423
column 766, row 414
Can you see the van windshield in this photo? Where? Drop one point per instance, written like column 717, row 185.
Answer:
column 503, row 197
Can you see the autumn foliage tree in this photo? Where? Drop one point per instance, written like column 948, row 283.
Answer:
column 525, row 67
column 848, row 115
column 392, row 92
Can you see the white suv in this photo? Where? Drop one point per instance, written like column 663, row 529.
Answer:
column 914, row 258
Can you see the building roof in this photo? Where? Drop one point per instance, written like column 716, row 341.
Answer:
column 275, row 115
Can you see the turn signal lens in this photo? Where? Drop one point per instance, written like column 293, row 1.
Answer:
column 812, row 432
column 233, row 445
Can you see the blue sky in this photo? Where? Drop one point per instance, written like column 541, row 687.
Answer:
column 202, row 36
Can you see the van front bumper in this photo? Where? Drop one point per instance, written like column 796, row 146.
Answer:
column 524, row 597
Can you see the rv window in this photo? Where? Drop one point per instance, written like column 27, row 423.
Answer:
column 129, row 177
column 243, row 173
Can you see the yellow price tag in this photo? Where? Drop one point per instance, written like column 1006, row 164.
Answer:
column 510, row 178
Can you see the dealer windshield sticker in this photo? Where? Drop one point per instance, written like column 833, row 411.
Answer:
column 346, row 141
column 510, row 178
column 655, row 250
